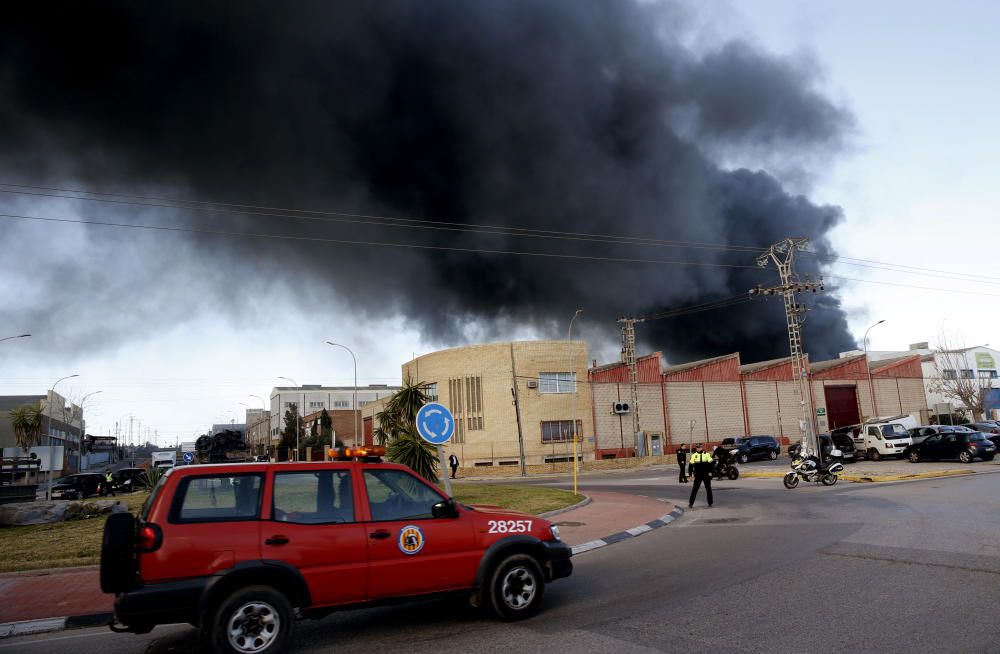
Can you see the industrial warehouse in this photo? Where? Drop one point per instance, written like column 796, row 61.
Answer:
column 506, row 396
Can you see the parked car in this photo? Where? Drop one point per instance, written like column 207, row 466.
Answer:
column 953, row 445
column 76, row 487
column 919, row 434
column 131, row 478
column 987, row 427
column 753, row 447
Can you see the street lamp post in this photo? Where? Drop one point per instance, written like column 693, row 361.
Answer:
column 83, row 431
column 871, row 386
column 357, row 412
column 298, row 416
column 569, row 346
column 7, row 338
column 48, row 428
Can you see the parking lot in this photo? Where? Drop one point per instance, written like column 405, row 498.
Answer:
column 885, row 467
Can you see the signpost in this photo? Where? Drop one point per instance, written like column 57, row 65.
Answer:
column 436, row 425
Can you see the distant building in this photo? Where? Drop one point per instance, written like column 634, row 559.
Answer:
column 310, row 398
column 978, row 362
column 62, row 423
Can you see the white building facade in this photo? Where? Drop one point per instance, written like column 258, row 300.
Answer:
column 311, row 398
column 979, row 362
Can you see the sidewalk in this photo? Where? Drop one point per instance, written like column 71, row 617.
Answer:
column 75, row 592
column 52, row 593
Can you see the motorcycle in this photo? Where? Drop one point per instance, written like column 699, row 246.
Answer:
column 727, row 465
column 808, row 469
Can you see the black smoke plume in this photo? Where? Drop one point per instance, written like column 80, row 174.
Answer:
column 590, row 117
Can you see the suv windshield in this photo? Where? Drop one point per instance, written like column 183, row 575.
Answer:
column 894, row 431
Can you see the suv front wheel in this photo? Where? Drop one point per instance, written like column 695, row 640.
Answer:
column 253, row 620
column 516, row 587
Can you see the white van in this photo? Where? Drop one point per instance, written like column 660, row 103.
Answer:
column 881, row 437
column 164, row 459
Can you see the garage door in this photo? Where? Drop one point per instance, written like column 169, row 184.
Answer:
column 842, row 406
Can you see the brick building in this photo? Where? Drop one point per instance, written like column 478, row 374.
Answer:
column 476, row 383
column 711, row 399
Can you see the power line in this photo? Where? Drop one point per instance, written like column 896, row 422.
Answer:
column 392, row 221
column 366, row 219
column 416, row 246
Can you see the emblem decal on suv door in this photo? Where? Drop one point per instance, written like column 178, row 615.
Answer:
column 411, row 539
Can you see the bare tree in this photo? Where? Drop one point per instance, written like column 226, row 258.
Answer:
column 956, row 379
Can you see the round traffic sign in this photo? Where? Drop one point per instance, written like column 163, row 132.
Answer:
column 435, row 424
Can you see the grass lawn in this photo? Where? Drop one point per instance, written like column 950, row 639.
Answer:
column 529, row 499
column 78, row 542
column 59, row 545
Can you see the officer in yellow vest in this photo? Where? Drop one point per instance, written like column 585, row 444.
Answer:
column 702, row 463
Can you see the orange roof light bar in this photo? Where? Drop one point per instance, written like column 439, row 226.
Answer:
column 356, row 452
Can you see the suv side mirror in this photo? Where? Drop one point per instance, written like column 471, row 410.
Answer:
column 445, row 509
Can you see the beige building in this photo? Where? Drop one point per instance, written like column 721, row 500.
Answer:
column 477, row 384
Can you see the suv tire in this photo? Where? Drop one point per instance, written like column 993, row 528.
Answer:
column 773, row 454
column 516, row 587
column 118, row 553
column 743, row 457
column 253, row 620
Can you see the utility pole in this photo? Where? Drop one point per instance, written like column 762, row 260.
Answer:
column 782, row 255
column 517, row 409
column 628, row 358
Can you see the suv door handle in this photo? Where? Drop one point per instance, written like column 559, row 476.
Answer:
column 380, row 534
column 277, row 540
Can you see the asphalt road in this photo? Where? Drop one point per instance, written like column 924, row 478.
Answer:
column 904, row 567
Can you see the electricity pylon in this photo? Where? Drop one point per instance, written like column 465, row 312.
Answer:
column 782, row 255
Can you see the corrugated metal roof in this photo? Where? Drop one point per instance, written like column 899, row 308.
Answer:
column 822, row 366
column 761, row 365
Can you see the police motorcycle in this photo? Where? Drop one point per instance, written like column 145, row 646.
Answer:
column 810, row 469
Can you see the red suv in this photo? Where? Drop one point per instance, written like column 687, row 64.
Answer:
column 239, row 550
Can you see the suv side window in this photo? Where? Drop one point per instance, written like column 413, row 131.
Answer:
column 218, row 498
column 311, row 498
column 398, row 495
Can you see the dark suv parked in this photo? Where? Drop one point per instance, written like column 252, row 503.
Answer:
column 753, row 447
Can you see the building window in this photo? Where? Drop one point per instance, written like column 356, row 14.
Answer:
column 341, row 404
column 431, row 391
column 556, row 382
column 967, row 374
column 987, row 374
column 316, row 405
column 559, row 431
column 950, row 374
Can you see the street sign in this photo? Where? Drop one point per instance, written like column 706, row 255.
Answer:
column 820, row 412
column 435, row 424
column 188, row 457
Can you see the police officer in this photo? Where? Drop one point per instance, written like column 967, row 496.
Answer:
column 701, row 461
column 682, row 461
column 109, row 481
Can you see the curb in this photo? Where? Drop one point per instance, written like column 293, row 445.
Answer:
column 28, row 627
column 634, row 532
column 579, row 505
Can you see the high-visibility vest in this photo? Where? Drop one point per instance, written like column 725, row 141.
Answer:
column 701, row 457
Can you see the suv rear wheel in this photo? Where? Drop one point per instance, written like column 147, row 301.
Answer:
column 253, row 620
column 773, row 454
column 516, row 587
column 743, row 457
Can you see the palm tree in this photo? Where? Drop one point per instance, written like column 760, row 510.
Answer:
column 26, row 421
column 397, row 430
